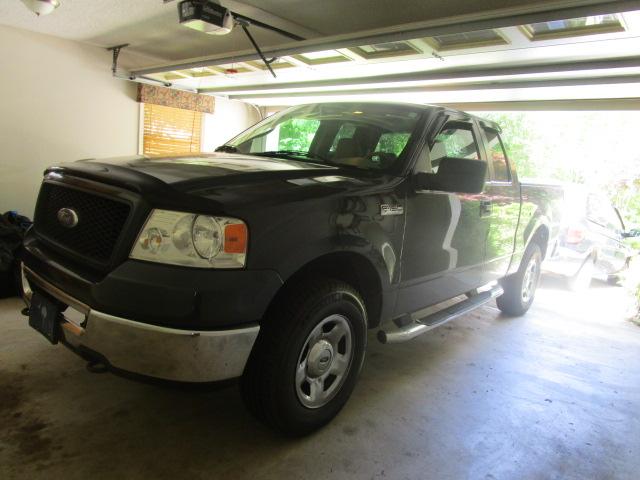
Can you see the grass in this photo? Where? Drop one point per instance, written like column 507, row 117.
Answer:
column 632, row 284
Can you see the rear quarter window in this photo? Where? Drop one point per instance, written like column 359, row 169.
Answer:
column 497, row 156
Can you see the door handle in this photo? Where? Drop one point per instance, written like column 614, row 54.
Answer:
column 485, row 208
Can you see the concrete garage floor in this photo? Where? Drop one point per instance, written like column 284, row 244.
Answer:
column 555, row 394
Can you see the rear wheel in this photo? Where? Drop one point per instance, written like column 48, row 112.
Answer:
column 307, row 358
column 520, row 288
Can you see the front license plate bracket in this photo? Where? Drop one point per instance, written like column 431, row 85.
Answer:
column 44, row 316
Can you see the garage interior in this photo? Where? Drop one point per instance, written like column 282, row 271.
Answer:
column 553, row 394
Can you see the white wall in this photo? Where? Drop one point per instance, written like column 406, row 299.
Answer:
column 58, row 103
column 229, row 118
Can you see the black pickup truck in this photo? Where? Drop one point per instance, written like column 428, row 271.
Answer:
column 270, row 259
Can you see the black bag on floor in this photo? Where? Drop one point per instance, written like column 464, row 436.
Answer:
column 12, row 230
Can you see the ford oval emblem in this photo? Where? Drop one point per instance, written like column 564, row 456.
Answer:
column 67, row 217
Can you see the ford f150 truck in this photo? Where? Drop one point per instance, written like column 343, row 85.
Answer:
column 270, row 259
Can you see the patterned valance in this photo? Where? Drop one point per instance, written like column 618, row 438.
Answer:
column 170, row 97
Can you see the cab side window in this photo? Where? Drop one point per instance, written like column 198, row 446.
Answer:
column 497, row 156
column 457, row 140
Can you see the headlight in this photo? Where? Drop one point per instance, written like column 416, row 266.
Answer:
column 180, row 238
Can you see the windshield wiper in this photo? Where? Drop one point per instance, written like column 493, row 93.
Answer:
column 291, row 154
column 227, row 149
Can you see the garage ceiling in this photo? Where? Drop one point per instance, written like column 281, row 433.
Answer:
column 417, row 50
column 151, row 26
column 574, row 53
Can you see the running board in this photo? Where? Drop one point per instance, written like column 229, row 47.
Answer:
column 395, row 334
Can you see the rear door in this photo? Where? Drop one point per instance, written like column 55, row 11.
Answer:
column 502, row 204
column 445, row 233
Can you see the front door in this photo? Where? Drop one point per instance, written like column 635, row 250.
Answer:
column 445, row 233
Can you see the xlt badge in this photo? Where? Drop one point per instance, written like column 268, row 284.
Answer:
column 387, row 209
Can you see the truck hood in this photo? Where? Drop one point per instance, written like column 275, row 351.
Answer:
column 222, row 178
column 193, row 171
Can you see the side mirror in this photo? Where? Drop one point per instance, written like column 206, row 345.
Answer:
column 460, row 175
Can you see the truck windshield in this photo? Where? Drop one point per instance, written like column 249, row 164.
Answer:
column 358, row 135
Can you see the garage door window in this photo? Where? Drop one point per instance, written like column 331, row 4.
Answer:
column 171, row 131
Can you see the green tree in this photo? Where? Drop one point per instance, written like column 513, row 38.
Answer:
column 517, row 137
column 297, row 134
column 593, row 148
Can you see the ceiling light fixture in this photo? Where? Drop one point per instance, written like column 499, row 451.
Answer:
column 41, row 7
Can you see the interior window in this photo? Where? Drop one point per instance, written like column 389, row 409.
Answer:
column 455, row 140
column 347, row 130
column 295, row 134
column 497, row 156
column 170, row 131
column 358, row 144
column 392, row 142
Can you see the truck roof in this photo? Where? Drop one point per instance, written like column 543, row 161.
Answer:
column 489, row 123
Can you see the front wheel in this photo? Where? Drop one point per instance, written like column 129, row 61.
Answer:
column 520, row 288
column 307, row 358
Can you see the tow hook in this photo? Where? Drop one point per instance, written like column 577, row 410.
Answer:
column 96, row 366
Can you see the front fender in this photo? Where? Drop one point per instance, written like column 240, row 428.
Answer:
column 347, row 227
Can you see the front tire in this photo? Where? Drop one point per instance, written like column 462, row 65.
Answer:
column 307, row 357
column 520, row 288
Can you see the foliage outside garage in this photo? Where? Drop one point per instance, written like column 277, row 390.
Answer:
column 599, row 149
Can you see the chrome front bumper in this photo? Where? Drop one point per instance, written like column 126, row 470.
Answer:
column 167, row 353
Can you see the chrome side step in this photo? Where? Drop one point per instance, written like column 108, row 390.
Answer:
column 397, row 334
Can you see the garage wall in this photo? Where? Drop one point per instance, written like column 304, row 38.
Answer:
column 58, row 102
column 230, row 117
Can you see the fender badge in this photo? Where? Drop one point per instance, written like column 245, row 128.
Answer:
column 386, row 209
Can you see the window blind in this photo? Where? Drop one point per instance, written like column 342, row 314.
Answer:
column 171, row 131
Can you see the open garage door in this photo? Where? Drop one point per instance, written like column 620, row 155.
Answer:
column 563, row 56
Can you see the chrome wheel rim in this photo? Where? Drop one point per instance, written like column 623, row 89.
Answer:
column 530, row 280
column 324, row 361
